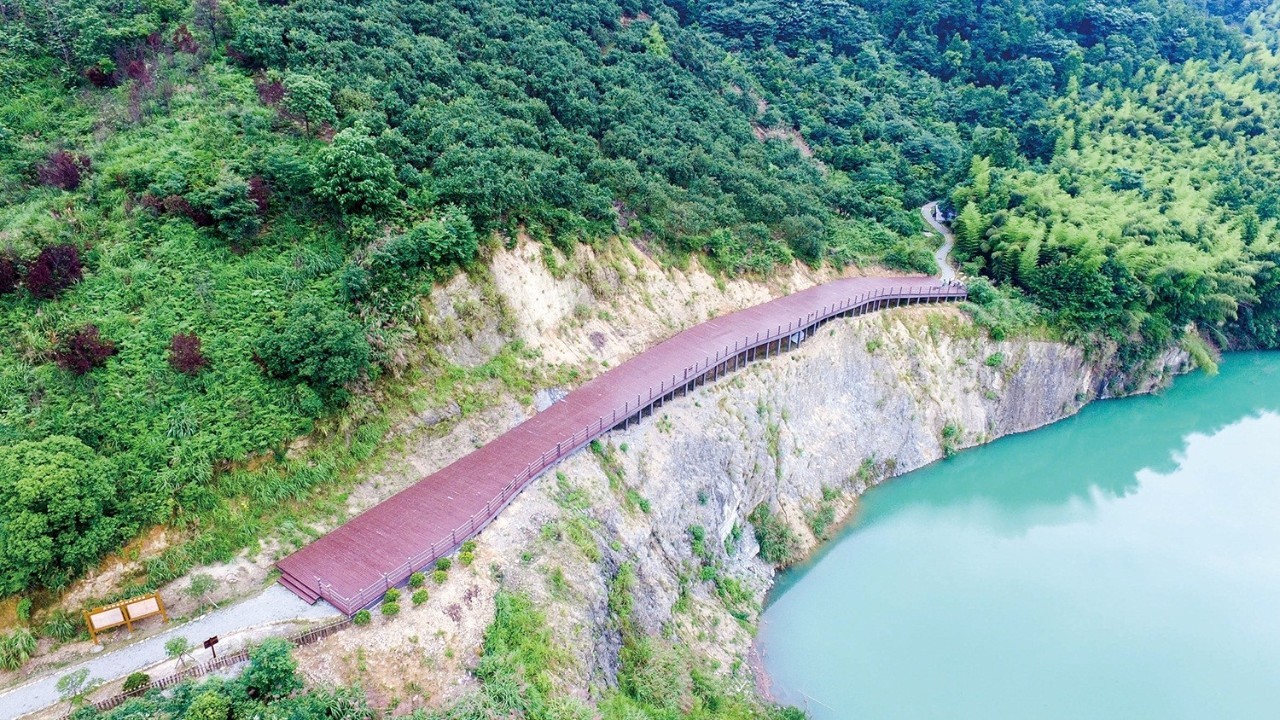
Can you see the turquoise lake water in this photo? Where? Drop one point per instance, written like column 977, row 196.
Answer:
column 1124, row 563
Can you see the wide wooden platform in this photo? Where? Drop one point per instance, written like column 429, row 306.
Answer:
column 355, row 564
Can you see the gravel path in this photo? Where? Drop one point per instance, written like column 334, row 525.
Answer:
column 945, row 269
column 271, row 606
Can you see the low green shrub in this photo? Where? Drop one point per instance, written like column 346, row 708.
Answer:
column 439, row 576
column 419, row 596
column 822, row 520
column 417, row 579
column 444, row 563
column 135, row 681
column 61, row 626
column 176, row 646
column 361, row 617
column 950, row 438
column 469, row 546
column 393, row 595
column 16, row 649
column 778, row 544
column 1199, row 351
column 390, row 608
column 466, row 558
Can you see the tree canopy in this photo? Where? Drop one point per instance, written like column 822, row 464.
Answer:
column 244, row 200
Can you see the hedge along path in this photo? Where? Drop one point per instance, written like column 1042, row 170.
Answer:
column 355, row 564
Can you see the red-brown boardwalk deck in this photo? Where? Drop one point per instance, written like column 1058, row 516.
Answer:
column 354, row 565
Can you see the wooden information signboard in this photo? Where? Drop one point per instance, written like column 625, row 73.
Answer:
column 124, row 613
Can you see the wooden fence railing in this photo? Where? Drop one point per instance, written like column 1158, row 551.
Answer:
column 235, row 657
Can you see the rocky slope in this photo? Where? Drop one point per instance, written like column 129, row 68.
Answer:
column 800, row 436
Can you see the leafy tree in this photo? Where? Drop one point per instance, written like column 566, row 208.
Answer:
column 232, row 206
column 177, row 647
column 210, row 705
column 307, row 98
column 72, row 684
column 969, row 228
column 272, row 671
column 202, row 584
column 57, row 511
column 317, row 344
column 656, row 43
column 354, row 175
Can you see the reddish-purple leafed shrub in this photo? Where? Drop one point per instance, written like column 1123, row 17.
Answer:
column 154, row 41
column 151, row 202
column 240, row 58
column 185, row 355
column 184, row 41
column 83, row 351
column 178, row 205
column 138, row 70
column 260, row 194
column 100, row 78
column 9, row 274
column 271, row 92
column 56, row 269
column 63, row 170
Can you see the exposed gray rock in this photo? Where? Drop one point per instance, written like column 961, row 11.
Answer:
column 862, row 401
column 544, row 399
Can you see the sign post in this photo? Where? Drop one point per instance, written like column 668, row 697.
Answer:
column 209, row 645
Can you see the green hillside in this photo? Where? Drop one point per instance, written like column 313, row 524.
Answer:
column 1157, row 211
column 216, row 218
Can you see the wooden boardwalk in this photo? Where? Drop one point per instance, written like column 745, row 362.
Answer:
column 355, row 564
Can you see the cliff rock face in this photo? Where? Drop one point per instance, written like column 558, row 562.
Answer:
column 802, row 435
column 799, row 436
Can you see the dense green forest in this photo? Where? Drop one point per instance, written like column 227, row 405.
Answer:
column 1157, row 211
column 216, row 216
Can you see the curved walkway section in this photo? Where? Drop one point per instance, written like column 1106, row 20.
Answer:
column 355, row 564
column 942, row 256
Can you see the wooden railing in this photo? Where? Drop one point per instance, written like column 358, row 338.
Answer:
column 234, row 657
column 791, row 334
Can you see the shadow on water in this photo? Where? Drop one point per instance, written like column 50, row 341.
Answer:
column 1105, row 446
